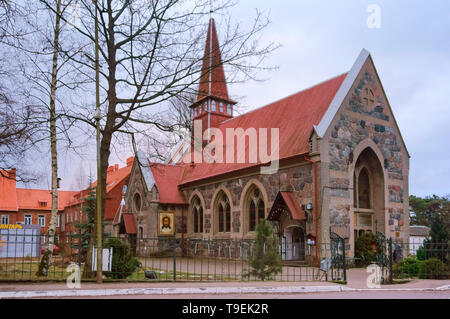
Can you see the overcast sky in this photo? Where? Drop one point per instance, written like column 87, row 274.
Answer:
column 322, row 39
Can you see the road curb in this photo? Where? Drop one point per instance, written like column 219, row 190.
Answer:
column 169, row 291
column 197, row 290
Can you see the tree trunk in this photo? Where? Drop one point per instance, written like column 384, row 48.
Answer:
column 51, row 230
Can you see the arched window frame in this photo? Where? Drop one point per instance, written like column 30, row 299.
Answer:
column 357, row 188
column 256, row 209
column 223, row 213
column 197, row 213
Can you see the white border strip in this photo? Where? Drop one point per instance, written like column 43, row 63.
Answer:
column 169, row 291
column 341, row 94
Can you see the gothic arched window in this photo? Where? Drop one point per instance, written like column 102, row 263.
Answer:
column 363, row 189
column 256, row 209
column 197, row 212
column 223, row 213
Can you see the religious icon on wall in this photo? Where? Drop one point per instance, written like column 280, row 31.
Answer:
column 166, row 223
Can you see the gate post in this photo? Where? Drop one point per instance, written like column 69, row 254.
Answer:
column 174, row 262
column 390, row 259
column 344, row 265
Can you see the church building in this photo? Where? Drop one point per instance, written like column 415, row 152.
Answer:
column 342, row 167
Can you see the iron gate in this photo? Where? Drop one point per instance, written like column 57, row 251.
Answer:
column 338, row 266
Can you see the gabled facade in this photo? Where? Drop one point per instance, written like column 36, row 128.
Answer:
column 343, row 168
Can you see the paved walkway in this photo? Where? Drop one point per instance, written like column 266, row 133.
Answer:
column 356, row 282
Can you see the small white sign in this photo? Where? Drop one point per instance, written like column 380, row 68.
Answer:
column 106, row 260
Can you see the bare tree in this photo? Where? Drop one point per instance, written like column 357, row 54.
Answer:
column 151, row 51
column 17, row 124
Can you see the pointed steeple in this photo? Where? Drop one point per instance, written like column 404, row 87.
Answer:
column 212, row 82
column 213, row 105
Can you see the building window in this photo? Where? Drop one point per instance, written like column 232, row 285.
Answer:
column 213, row 105
column 362, row 187
column 221, row 107
column 43, row 204
column 256, row 209
column 141, row 232
column 137, row 202
column 197, row 212
column 27, row 220
column 223, row 213
column 76, row 215
column 41, row 220
column 58, row 219
column 229, row 109
column 5, row 219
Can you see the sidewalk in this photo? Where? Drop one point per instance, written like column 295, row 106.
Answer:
column 356, row 282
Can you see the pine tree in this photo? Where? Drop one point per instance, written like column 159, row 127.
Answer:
column 437, row 245
column 265, row 260
column 86, row 230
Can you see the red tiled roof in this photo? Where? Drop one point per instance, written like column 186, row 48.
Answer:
column 114, row 176
column 130, row 225
column 31, row 198
column 212, row 65
column 8, row 197
column 294, row 115
column 293, row 205
column 167, row 178
column 288, row 199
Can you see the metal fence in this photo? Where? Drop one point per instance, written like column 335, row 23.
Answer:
column 400, row 261
column 150, row 259
column 430, row 260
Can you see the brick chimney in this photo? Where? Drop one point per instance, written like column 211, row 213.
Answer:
column 130, row 161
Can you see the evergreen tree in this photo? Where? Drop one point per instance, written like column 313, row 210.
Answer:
column 86, row 231
column 265, row 260
column 438, row 244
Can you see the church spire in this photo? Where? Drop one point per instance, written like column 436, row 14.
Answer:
column 212, row 81
column 213, row 105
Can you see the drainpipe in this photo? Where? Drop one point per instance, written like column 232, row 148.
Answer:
column 315, row 207
column 182, row 230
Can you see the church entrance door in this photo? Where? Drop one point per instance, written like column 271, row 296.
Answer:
column 293, row 243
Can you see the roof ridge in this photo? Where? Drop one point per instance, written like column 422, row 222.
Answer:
column 286, row 97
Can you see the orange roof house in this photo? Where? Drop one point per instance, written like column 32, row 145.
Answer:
column 8, row 196
column 21, row 203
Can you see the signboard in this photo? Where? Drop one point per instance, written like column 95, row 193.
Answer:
column 21, row 242
column 166, row 223
column 106, row 260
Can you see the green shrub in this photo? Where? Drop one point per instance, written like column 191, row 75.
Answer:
column 408, row 267
column 421, row 253
column 433, row 268
column 365, row 250
column 123, row 263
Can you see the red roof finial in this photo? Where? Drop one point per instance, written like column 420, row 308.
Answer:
column 212, row 81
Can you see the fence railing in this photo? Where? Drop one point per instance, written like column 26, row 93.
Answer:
column 428, row 260
column 152, row 259
column 146, row 259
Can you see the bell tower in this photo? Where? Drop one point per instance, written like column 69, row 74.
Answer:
column 213, row 106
